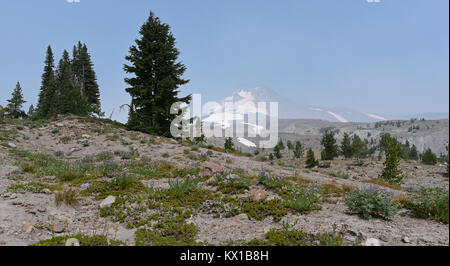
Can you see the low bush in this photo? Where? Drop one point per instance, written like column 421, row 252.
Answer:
column 371, row 203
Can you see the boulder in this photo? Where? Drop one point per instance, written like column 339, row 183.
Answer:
column 106, row 203
column 259, row 195
column 12, row 145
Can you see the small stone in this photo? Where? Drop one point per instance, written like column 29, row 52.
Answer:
column 272, row 197
column 28, row 227
column 372, row 242
column 72, row 242
column 47, row 191
column 259, row 195
column 331, row 200
column 106, row 203
column 59, row 124
column 13, row 196
column 406, row 239
column 59, row 228
column 12, row 145
column 42, row 209
column 85, row 136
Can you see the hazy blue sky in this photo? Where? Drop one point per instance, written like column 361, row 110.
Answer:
column 390, row 57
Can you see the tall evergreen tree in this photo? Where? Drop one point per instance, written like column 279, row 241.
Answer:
column 14, row 107
column 46, row 103
column 346, row 146
column 65, row 90
column 157, row 77
column 84, row 74
column 310, row 159
column 359, row 147
column 391, row 171
column 330, row 150
column 298, row 150
column 413, row 153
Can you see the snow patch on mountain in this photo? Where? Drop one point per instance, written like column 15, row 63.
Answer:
column 376, row 117
column 338, row 117
column 246, row 142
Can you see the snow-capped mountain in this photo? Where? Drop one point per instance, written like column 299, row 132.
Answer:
column 288, row 108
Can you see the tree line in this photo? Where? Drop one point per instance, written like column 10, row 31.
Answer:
column 69, row 88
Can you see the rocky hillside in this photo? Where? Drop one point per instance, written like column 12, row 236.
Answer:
column 95, row 183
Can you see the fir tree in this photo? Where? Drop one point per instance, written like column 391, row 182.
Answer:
column 229, row 145
column 311, row 159
column 359, row 147
column 391, row 171
column 277, row 151
column 66, row 96
column 413, row 153
column 298, row 150
column 84, row 74
column 346, row 146
column 157, row 76
column 281, row 145
column 429, row 158
column 31, row 111
column 290, row 145
column 46, row 103
column 330, row 150
column 14, row 107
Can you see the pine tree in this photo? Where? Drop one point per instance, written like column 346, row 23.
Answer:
column 229, row 145
column 281, row 145
column 14, row 107
column 157, row 76
column 391, row 171
column 277, row 151
column 290, row 145
column 413, row 153
column 346, row 146
column 298, row 150
column 428, row 157
column 330, row 150
column 359, row 147
column 84, row 74
column 66, row 96
column 311, row 159
column 46, row 103
column 31, row 111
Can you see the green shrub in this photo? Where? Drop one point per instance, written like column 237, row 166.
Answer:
column 432, row 203
column 371, row 203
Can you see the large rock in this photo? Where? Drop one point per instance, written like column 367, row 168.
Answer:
column 210, row 168
column 259, row 195
column 12, row 145
column 106, row 203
